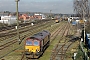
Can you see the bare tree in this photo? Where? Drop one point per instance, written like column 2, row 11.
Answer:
column 81, row 7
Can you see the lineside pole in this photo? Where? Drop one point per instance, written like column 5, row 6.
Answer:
column 18, row 36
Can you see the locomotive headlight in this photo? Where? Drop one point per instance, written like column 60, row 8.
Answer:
column 37, row 49
column 27, row 50
column 32, row 50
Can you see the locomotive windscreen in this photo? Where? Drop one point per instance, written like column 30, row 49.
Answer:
column 28, row 42
column 36, row 43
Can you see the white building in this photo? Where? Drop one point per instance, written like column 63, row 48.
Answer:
column 43, row 16
column 8, row 20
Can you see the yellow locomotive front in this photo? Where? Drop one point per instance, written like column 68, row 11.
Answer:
column 32, row 47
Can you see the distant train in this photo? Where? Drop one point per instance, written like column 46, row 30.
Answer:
column 57, row 21
column 36, row 44
column 81, row 21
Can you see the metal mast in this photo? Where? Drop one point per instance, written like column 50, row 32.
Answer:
column 17, row 27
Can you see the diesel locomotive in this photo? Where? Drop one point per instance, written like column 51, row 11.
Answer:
column 36, row 44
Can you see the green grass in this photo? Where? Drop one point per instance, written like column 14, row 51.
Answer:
column 47, row 53
column 80, row 54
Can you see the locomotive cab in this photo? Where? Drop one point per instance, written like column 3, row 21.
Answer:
column 32, row 46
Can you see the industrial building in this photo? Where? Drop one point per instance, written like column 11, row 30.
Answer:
column 8, row 19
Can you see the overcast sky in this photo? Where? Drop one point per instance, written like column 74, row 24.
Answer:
column 57, row 6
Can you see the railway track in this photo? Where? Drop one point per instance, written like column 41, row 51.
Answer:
column 9, row 42
column 21, row 29
column 55, row 34
column 63, row 35
column 12, row 31
column 11, row 27
column 61, row 48
column 52, row 35
column 60, row 52
column 35, row 30
column 22, row 58
column 5, row 36
column 12, row 41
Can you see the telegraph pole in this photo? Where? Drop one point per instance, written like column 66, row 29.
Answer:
column 17, row 27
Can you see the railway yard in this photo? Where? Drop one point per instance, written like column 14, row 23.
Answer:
column 45, row 30
column 64, row 41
